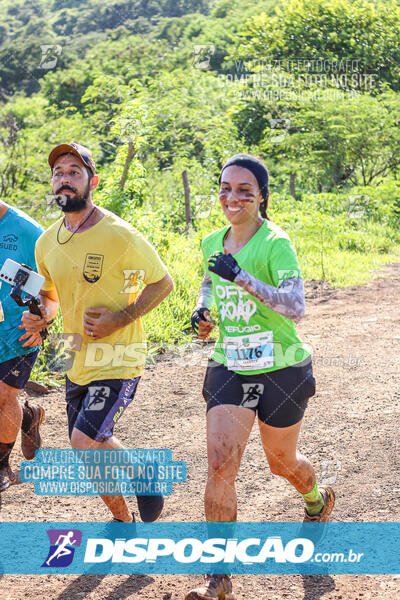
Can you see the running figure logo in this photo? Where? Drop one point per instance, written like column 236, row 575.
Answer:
column 50, row 54
column 62, row 550
column 98, row 395
column 252, row 393
column 133, row 277
column 202, row 55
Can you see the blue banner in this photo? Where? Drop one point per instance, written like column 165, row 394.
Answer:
column 184, row 548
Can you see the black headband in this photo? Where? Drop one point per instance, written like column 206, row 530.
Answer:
column 251, row 164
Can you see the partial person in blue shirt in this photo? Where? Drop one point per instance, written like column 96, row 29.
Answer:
column 18, row 235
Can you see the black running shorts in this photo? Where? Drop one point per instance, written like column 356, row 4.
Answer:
column 16, row 371
column 278, row 397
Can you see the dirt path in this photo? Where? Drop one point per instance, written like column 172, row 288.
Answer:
column 350, row 433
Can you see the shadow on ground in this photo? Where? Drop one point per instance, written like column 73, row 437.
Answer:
column 316, row 586
column 85, row 584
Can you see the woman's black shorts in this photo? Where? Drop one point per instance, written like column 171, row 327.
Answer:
column 279, row 397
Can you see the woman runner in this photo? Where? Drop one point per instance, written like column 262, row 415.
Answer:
column 259, row 366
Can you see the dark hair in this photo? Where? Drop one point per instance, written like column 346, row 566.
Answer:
column 264, row 206
column 259, row 170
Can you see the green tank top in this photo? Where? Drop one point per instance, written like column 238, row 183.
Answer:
column 252, row 337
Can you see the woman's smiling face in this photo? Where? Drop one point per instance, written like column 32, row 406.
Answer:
column 239, row 195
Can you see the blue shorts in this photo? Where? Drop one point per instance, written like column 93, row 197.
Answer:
column 16, row 371
column 95, row 408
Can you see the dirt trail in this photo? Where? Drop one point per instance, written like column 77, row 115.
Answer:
column 350, row 432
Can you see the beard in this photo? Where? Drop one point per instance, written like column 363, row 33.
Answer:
column 72, row 203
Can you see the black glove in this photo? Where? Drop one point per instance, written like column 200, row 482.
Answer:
column 223, row 265
column 197, row 316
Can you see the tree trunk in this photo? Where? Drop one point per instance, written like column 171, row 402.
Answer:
column 128, row 160
column 188, row 211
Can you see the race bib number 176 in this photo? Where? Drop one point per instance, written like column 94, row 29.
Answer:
column 249, row 352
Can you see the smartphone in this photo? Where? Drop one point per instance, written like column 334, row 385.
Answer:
column 33, row 283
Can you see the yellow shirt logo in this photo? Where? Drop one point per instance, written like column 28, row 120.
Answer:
column 93, row 267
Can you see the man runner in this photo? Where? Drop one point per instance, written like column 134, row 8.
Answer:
column 18, row 234
column 87, row 259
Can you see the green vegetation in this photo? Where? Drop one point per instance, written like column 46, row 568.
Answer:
column 156, row 88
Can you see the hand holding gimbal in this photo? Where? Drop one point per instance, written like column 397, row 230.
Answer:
column 23, row 280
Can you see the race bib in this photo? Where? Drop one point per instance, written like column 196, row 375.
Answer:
column 249, row 352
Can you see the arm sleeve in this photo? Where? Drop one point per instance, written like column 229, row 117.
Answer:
column 206, row 295
column 286, row 295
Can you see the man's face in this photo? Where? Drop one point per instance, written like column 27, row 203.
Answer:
column 71, row 183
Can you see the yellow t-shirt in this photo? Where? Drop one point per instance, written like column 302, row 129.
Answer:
column 100, row 267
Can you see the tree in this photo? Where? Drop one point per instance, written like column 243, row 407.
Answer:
column 306, row 31
column 354, row 141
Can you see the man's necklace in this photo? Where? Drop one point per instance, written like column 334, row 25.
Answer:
column 75, row 230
